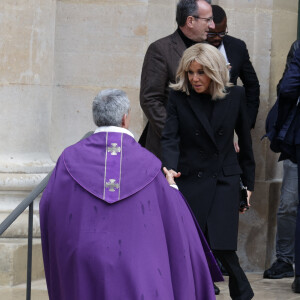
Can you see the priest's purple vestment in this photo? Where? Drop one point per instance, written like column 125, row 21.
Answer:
column 113, row 229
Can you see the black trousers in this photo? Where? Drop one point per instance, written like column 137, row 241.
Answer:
column 239, row 286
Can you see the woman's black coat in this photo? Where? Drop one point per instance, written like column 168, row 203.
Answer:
column 203, row 151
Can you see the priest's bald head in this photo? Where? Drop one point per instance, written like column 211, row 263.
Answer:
column 111, row 107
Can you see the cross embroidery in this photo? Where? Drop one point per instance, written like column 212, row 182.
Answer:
column 114, row 149
column 111, row 185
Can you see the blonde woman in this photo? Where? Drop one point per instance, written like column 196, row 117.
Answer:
column 204, row 110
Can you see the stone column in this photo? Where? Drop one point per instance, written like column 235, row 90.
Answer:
column 26, row 79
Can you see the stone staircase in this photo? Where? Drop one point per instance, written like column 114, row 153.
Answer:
column 13, row 260
column 13, row 269
column 23, row 176
column 18, row 292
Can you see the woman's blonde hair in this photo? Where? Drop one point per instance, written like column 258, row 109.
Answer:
column 214, row 66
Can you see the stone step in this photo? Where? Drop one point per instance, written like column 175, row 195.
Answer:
column 13, row 261
column 18, row 292
column 264, row 289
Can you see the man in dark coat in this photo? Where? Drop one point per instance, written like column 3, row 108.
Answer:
column 113, row 228
column 194, row 19
column 289, row 100
column 287, row 209
column 237, row 56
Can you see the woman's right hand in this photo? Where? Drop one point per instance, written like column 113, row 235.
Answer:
column 170, row 175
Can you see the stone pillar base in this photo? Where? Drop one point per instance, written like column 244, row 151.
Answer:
column 14, row 188
column 13, row 261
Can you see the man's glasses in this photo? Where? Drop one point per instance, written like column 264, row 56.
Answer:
column 219, row 34
column 208, row 20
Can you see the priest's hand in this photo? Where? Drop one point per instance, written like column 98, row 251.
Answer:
column 170, row 175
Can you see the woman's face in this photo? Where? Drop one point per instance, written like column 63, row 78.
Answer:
column 198, row 79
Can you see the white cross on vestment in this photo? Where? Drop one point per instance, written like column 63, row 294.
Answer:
column 112, row 185
column 114, row 149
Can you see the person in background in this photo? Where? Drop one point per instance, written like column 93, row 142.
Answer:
column 287, row 209
column 194, row 19
column 289, row 100
column 237, row 58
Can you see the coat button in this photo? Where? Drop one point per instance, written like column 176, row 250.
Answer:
column 197, row 132
column 215, row 175
column 200, row 174
column 221, row 132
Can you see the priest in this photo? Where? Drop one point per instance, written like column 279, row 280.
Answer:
column 111, row 225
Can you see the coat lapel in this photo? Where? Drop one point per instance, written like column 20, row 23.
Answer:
column 178, row 44
column 219, row 113
column 232, row 59
column 226, row 44
column 194, row 102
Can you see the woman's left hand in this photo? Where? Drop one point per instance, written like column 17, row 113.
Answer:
column 249, row 193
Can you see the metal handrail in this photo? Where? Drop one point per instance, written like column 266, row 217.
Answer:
column 28, row 202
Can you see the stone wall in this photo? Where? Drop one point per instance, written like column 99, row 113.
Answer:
column 56, row 56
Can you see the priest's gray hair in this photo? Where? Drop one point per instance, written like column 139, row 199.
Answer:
column 109, row 107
